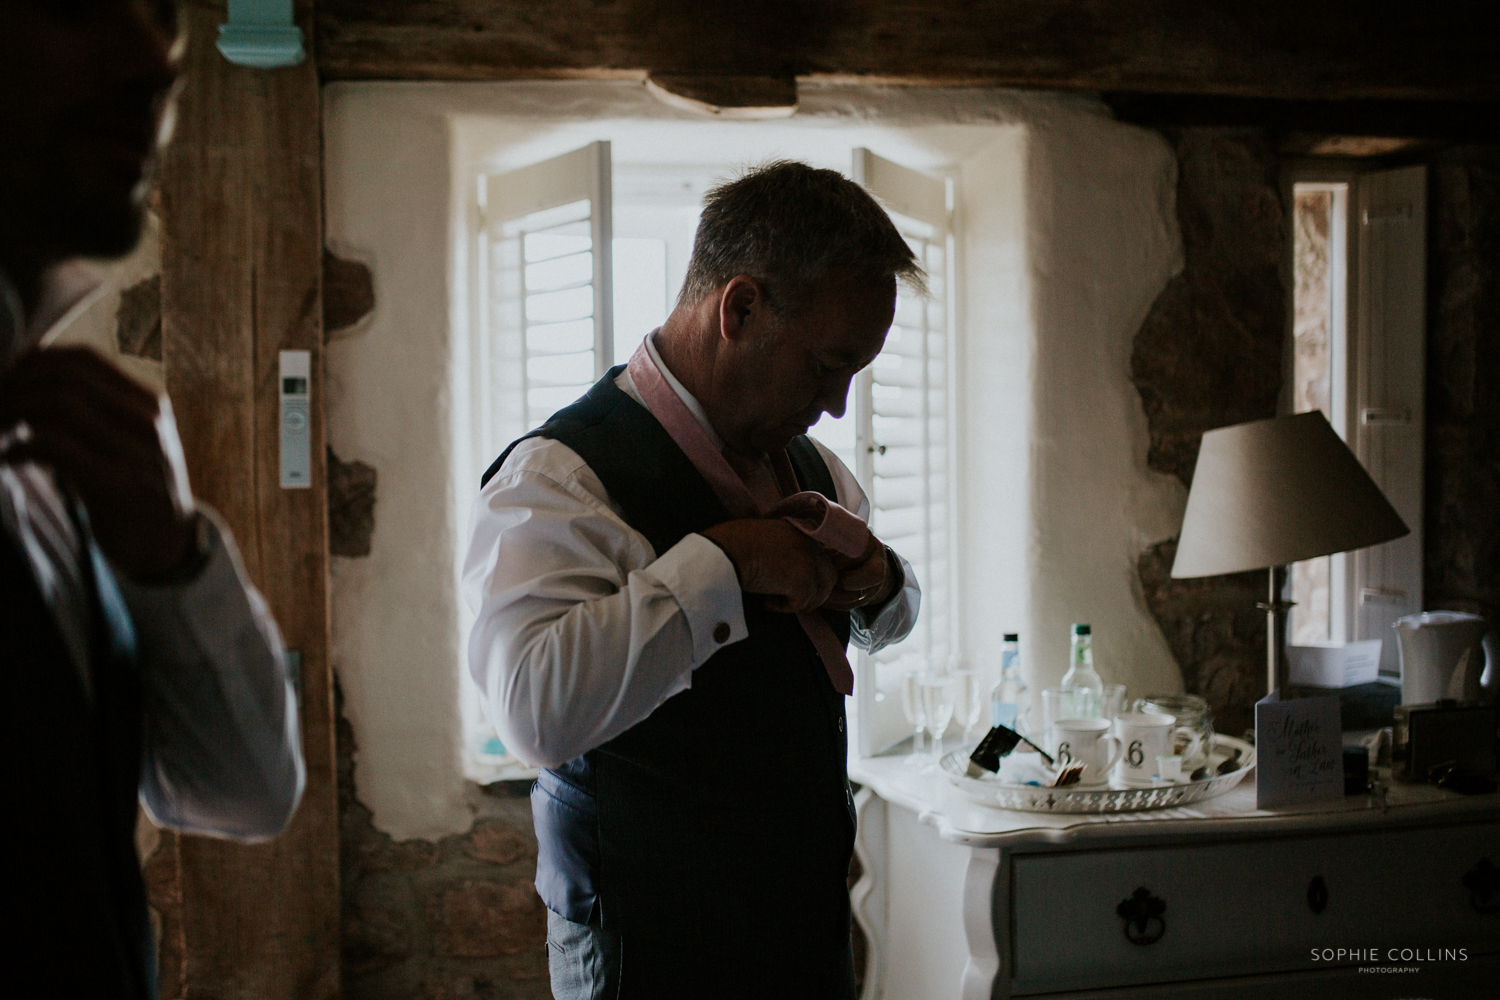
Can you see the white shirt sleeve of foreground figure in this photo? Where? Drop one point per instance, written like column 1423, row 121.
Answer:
column 222, row 753
column 581, row 630
column 894, row 619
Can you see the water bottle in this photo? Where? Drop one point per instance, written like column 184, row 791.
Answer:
column 1081, row 680
column 1008, row 699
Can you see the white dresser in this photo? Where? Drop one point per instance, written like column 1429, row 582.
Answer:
column 961, row 901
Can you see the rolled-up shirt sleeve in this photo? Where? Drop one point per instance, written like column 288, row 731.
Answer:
column 581, row 628
column 222, row 750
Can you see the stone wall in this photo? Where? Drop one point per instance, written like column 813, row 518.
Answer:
column 455, row 919
column 1462, row 542
column 1210, row 354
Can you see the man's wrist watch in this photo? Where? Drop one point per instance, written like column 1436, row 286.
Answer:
column 895, row 571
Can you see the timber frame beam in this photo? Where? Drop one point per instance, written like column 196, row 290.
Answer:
column 1283, row 49
column 242, row 260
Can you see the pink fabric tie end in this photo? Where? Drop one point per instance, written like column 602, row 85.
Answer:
column 825, row 522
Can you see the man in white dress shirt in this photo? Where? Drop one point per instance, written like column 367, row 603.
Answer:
column 140, row 665
column 678, row 671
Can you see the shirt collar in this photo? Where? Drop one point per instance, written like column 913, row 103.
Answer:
column 67, row 290
column 694, row 407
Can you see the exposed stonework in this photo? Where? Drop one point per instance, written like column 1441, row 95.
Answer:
column 1215, row 632
column 1209, row 352
column 138, row 319
column 458, row 919
column 1208, row 355
column 351, row 506
column 1462, row 539
column 483, row 919
column 348, row 293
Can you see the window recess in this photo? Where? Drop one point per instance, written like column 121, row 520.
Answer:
column 904, row 452
column 557, row 298
column 1358, row 354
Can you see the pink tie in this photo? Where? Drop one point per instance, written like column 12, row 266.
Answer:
column 746, row 489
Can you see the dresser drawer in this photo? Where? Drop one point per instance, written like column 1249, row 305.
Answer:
column 1244, row 907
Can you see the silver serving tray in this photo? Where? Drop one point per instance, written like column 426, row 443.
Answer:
column 997, row 792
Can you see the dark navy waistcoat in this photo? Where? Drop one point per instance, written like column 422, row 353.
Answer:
column 72, row 773
column 726, row 814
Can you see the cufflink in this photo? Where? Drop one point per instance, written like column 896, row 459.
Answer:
column 721, row 633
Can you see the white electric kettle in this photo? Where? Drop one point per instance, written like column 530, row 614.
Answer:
column 1443, row 656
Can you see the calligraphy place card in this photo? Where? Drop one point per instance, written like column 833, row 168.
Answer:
column 1299, row 751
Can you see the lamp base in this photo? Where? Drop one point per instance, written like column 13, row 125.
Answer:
column 1275, row 608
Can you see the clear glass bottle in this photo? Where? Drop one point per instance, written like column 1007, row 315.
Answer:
column 1009, row 702
column 1082, row 680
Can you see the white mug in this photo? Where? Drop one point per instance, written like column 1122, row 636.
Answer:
column 1082, row 741
column 1146, row 736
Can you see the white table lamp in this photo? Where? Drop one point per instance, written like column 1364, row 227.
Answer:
column 1273, row 492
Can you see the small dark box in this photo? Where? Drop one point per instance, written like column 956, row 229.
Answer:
column 1443, row 733
column 1356, row 770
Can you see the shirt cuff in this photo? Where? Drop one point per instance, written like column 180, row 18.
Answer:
column 873, row 628
column 212, row 571
column 705, row 585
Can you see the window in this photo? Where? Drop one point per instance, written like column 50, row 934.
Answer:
column 1357, row 354
column 904, row 455
column 576, row 258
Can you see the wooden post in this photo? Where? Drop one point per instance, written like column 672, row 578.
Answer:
column 241, row 280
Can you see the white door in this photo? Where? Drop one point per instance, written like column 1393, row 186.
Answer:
column 904, row 448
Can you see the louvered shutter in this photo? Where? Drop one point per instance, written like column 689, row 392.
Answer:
column 547, row 304
column 904, row 444
column 545, row 333
column 1389, row 374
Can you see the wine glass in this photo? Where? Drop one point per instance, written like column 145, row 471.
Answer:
column 911, row 704
column 937, row 706
column 968, row 699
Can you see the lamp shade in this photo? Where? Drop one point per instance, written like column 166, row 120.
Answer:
column 1273, row 492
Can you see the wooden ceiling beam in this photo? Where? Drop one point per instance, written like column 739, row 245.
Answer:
column 1450, row 121
column 1286, row 49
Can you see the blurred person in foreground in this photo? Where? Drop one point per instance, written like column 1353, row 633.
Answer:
column 140, row 665
column 665, row 577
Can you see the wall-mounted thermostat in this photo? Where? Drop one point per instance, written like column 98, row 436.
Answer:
column 296, row 419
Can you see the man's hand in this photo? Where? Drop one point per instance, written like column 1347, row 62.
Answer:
column 113, row 444
column 775, row 559
column 865, row 580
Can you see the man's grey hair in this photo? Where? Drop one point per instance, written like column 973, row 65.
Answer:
column 787, row 225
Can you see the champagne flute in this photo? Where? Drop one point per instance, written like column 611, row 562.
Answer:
column 937, row 707
column 911, row 704
column 968, row 699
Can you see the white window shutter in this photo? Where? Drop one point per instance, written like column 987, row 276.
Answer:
column 543, row 332
column 904, row 445
column 547, row 305
column 1389, row 373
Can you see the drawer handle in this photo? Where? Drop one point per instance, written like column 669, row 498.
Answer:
column 1317, row 894
column 1482, row 881
column 1143, row 914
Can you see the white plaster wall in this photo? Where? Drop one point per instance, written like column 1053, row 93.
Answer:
column 1047, row 358
column 395, row 618
column 994, row 415
column 1103, row 242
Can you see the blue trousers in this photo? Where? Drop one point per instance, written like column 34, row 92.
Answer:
column 587, row 963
